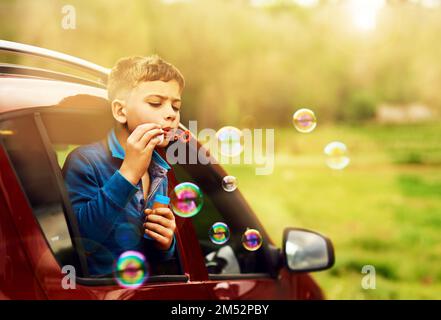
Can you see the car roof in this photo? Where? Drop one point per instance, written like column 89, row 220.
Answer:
column 23, row 87
column 22, row 92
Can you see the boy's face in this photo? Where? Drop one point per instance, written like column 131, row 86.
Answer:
column 154, row 102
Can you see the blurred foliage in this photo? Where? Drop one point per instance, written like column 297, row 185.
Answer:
column 245, row 64
column 359, row 106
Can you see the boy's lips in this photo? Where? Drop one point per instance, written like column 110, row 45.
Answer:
column 168, row 131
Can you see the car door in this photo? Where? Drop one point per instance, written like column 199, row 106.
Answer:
column 48, row 229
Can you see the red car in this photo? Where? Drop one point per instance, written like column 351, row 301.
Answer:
column 44, row 115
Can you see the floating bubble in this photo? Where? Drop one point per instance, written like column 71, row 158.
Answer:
column 186, row 199
column 230, row 140
column 336, row 155
column 304, row 120
column 219, row 233
column 229, row 183
column 252, row 240
column 131, row 270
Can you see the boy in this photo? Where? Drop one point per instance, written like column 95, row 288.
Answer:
column 111, row 182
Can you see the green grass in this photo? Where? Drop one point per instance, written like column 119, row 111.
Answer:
column 384, row 209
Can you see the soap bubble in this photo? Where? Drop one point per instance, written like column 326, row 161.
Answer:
column 229, row 183
column 230, row 140
column 131, row 270
column 304, row 120
column 186, row 199
column 336, row 155
column 252, row 240
column 219, row 233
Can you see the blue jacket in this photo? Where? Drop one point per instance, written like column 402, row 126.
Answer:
column 110, row 209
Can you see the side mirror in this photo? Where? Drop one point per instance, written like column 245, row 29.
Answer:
column 306, row 251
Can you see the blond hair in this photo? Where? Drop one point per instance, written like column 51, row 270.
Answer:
column 128, row 72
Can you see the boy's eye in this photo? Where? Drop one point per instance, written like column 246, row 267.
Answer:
column 154, row 104
column 176, row 108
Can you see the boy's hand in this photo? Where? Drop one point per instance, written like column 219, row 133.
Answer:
column 139, row 149
column 160, row 225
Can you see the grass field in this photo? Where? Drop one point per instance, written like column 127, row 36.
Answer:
column 383, row 210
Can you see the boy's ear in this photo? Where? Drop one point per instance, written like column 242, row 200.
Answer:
column 119, row 110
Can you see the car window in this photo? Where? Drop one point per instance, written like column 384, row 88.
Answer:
column 231, row 257
column 64, row 139
column 43, row 184
column 169, row 267
column 62, row 151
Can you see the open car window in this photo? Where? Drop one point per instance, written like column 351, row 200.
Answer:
column 69, row 128
column 65, row 127
column 37, row 150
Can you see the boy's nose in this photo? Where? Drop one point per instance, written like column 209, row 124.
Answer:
column 170, row 117
column 171, row 113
